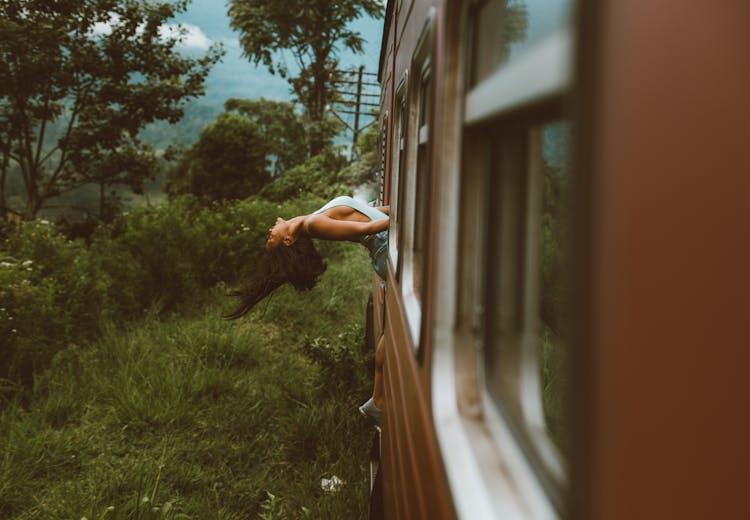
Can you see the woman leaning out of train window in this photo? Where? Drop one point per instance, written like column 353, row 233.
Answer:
column 290, row 256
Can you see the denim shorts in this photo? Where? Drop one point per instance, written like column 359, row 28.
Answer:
column 377, row 245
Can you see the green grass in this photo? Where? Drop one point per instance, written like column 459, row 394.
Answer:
column 196, row 417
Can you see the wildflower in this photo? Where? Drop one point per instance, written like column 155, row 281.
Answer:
column 27, row 263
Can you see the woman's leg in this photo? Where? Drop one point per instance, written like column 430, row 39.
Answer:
column 377, row 387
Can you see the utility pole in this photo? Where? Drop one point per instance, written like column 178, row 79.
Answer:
column 358, row 95
column 356, row 115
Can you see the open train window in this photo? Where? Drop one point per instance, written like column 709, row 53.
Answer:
column 417, row 184
column 509, row 331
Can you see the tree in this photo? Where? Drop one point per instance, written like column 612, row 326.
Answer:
column 282, row 127
column 81, row 78
column 313, row 31
column 227, row 162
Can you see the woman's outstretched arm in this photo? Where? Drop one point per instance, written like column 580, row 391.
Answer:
column 322, row 226
column 384, row 209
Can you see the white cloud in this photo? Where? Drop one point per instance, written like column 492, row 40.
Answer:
column 105, row 28
column 192, row 38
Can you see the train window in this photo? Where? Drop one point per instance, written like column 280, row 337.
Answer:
column 398, row 169
column 524, row 345
column 416, row 184
column 511, row 301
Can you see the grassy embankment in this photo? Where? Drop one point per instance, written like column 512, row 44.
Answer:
column 196, row 417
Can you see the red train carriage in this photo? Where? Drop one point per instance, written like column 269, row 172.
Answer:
column 567, row 290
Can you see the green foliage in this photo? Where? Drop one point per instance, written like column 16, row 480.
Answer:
column 320, row 175
column 555, row 240
column 313, row 32
column 51, row 292
column 197, row 417
column 94, row 73
column 368, row 140
column 282, row 128
column 552, row 355
column 227, row 162
column 54, row 291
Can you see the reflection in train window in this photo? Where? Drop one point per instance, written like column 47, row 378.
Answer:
column 522, row 155
column 525, row 352
column 553, row 295
column 503, row 29
column 524, row 345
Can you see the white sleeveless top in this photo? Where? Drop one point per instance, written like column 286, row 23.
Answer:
column 365, row 209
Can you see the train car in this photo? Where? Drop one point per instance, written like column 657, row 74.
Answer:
column 567, row 283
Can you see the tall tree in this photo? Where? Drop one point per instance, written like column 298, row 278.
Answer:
column 227, row 162
column 93, row 73
column 312, row 31
column 282, row 127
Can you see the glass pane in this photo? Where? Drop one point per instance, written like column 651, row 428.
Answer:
column 555, row 241
column 528, row 241
column 398, row 157
column 505, row 271
column 503, row 29
column 423, row 186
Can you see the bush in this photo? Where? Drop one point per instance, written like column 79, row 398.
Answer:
column 228, row 161
column 55, row 291
column 51, row 291
column 318, row 176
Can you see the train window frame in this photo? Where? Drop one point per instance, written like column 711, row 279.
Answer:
column 522, row 84
column 399, row 165
column 475, row 436
column 420, row 101
column 383, row 148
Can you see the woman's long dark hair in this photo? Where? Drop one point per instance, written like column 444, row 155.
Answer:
column 300, row 264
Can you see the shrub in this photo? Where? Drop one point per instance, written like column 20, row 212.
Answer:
column 227, row 162
column 51, row 292
column 55, row 291
column 318, row 176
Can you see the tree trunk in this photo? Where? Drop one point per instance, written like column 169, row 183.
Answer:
column 33, row 205
column 34, row 199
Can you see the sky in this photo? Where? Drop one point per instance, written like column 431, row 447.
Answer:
column 235, row 76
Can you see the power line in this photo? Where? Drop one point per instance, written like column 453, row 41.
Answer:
column 362, row 91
